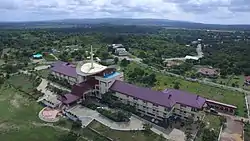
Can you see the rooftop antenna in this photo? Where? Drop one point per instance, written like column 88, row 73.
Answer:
column 92, row 60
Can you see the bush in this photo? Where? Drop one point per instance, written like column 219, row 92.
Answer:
column 91, row 106
column 118, row 116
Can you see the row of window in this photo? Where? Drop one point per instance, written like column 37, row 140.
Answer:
column 145, row 102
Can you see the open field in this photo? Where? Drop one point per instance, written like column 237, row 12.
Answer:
column 19, row 121
column 124, row 135
column 17, row 117
column 22, row 81
column 218, row 94
column 231, row 80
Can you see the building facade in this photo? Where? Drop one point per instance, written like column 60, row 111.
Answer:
column 160, row 105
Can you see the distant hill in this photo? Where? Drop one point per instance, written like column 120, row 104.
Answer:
column 115, row 21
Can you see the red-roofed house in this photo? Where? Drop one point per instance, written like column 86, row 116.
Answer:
column 209, row 72
column 247, row 80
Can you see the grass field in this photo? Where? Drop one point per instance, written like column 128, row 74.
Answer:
column 215, row 93
column 17, row 117
column 43, row 73
column 49, row 57
column 231, row 80
column 19, row 121
column 22, row 81
column 124, row 135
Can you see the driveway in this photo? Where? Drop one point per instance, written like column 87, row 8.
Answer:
column 87, row 115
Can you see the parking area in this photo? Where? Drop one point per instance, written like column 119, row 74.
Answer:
column 233, row 131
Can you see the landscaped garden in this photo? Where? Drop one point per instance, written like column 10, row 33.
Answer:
column 43, row 73
column 117, row 116
column 209, row 128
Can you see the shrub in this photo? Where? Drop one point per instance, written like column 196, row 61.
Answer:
column 119, row 116
column 91, row 106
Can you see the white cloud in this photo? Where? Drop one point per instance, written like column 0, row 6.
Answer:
column 208, row 11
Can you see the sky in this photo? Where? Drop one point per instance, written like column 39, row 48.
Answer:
column 202, row 11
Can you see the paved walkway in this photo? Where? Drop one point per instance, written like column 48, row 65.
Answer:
column 43, row 67
column 87, row 115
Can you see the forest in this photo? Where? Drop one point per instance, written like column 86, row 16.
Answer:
column 225, row 50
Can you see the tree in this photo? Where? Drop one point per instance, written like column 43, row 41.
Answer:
column 147, row 127
column 210, row 135
column 176, row 85
column 116, row 60
column 162, row 138
column 124, row 62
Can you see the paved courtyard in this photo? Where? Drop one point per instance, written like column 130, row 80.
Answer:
column 87, row 115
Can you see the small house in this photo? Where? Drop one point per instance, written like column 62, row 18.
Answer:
column 247, row 80
column 209, row 72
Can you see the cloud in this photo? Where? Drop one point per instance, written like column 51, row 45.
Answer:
column 208, row 11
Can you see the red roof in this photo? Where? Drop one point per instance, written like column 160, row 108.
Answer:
column 247, row 78
column 80, row 88
column 208, row 71
column 68, row 98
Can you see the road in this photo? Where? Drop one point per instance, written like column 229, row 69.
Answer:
column 199, row 55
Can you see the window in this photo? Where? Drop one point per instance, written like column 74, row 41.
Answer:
column 155, row 105
column 194, row 110
column 183, row 106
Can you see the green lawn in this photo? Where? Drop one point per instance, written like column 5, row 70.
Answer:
column 226, row 96
column 212, row 122
column 22, row 81
column 43, row 73
column 19, row 120
column 17, row 117
column 215, row 93
column 49, row 57
column 124, row 135
column 230, row 80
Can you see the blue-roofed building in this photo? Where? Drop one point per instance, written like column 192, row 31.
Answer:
column 37, row 56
